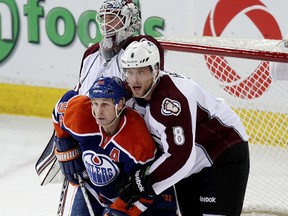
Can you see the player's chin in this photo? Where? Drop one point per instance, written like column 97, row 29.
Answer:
column 101, row 122
column 137, row 92
column 137, row 95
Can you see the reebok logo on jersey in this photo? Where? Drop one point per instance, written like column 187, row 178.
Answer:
column 208, row 199
column 138, row 181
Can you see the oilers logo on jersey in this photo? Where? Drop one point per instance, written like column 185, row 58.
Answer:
column 100, row 168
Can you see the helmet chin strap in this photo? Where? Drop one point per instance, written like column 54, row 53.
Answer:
column 155, row 80
column 116, row 117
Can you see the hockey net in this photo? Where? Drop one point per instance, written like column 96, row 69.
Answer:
column 238, row 70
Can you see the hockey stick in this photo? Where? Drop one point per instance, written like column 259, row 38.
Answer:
column 177, row 203
column 63, row 195
column 85, row 195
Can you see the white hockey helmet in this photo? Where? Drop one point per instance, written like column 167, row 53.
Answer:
column 128, row 15
column 141, row 54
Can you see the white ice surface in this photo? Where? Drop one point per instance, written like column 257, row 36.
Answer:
column 22, row 140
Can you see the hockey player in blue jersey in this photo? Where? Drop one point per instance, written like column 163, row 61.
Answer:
column 102, row 140
column 119, row 22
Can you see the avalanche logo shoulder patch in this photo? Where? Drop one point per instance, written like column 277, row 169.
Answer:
column 170, row 107
column 100, row 168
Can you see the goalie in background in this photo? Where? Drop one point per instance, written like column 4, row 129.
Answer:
column 279, row 70
column 205, row 146
column 102, row 140
column 119, row 22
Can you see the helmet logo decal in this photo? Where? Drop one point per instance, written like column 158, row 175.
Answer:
column 170, row 107
column 144, row 60
column 100, row 82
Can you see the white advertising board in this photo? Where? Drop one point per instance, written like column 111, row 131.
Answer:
column 42, row 42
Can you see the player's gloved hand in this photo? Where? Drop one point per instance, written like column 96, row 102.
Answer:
column 113, row 212
column 133, row 187
column 68, row 154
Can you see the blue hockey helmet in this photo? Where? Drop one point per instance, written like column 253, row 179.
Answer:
column 108, row 87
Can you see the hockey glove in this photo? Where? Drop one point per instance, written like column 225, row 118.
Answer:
column 113, row 212
column 68, row 154
column 133, row 187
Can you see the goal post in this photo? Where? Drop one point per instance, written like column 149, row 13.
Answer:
column 238, row 70
column 259, row 49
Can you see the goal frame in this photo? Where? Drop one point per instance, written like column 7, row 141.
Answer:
column 238, row 47
column 264, row 50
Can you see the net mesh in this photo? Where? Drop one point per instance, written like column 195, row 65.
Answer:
column 262, row 104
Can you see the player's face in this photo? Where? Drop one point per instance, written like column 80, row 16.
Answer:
column 103, row 110
column 139, row 80
column 111, row 23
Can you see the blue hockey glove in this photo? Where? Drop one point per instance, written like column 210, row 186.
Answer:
column 113, row 212
column 133, row 187
column 68, row 154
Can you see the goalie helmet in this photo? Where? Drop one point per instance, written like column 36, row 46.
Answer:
column 141, row 54
column 125, row 13
column 108, row 87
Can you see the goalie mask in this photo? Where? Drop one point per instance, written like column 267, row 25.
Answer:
column 118, row 20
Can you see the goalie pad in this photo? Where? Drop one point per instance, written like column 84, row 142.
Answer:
column 47, row 166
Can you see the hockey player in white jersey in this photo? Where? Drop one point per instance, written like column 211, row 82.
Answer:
column 205, row 146
column 119, row 21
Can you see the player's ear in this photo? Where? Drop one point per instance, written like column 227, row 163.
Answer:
column 121, row 104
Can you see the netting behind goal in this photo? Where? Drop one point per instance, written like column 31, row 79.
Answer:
column 238, row 71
